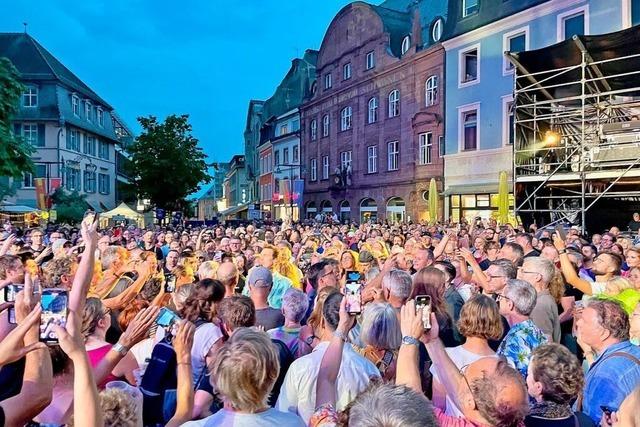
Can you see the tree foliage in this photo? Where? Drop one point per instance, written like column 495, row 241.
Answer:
column 15, row 153
column 166, row 162
column 70, row 207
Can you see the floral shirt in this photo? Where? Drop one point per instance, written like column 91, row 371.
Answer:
column 519, row 343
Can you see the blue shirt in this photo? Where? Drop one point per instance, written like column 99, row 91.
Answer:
column 610, row 379
column 519, row 343
column 278, row 288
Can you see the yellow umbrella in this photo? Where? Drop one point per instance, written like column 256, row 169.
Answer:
column 433, row 201
column 503, row 198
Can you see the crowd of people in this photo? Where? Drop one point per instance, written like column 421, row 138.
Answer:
column 320, row 324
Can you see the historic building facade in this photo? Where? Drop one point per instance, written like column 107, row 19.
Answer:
column 373, row 126
column 76, row 135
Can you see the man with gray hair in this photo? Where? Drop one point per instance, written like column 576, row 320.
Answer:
column 396, row 286
column 539, row 271
column 294, row 308
column 516, row 301
column 228, row 274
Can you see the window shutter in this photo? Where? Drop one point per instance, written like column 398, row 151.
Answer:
column 17, row 129
column 41, row 142
column 68, row 133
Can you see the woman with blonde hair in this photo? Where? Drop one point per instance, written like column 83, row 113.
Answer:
column 283, row 265
column 348, row 262
column 632, row 260
column 479, row 322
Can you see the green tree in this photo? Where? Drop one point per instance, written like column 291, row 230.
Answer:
column 15, row 153
column 166, row 162
column 70, row 207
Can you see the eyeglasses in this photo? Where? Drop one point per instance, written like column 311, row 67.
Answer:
column 501, row 297
column 494, row 277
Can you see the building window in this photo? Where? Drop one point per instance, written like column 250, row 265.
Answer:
column 469, row 71
column 87, row 110
column 327, row 81
column 392, row 155
column 508, row 133
column 371, row 60
column 73, row 143
column 296, row 154
column 469, row 7
column 325, row 167
column 394, row 103
column 325, row 125
column 314, row 129
column 406, row 43
column 373, row 110
column 90, row 145
column 30, row 134
column 284, row 129
column 89, row 182
column 100, row 117
column 40, row 172
column 425, row 144
column 441, row 146
column 313, row 170
column 470, row 130
column 431, row 91
column 572, row 23
column 104, row 184
column 276, row 157
column 75, row 105
column 285, row 156
column 345, row 118
column 635, row 12
column 73, row 179
column 103, row 150
column 372, row 159
column 514, row 41
column 346, row 71
column 345, row 160
column 30, row 97
column 436, row 31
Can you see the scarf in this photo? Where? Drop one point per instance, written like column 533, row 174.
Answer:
column 550, row 410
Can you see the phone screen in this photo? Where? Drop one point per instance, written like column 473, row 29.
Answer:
column 11, row 291
column 560, row 231
column 354, row 297
column 354, row 277
column 166, row 317
column 170, row 283
column 423, row 307
column 54, row 304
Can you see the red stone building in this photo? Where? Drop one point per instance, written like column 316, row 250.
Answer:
column 373, row 127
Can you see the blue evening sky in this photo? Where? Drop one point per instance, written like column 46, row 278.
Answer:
column 207, row 58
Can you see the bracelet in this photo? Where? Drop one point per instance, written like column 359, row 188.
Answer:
column 340, row 335
column 184, row 363
column 562, row 251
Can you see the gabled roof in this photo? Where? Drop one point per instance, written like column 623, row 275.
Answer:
column 34, row 62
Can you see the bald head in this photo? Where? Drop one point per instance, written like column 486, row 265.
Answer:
column 228, row 274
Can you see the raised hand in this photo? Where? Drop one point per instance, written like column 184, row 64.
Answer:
column 139, row 326
column 183, row 341
column 12, row 347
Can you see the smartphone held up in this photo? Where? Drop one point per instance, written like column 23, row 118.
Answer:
column 353, row 292
column 54, row 305
column 423, row 308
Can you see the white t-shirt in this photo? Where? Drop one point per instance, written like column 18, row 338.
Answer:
column 203, row 339
column 460, row 357
column 270, row 417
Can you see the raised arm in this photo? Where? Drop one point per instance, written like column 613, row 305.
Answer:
column 439, row 250
column 82, row 279
column 182, row 344
column 129, row 294
column 407, row 370
column 478, row 275
column 568, row 271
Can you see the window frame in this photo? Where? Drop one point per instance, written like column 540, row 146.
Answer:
column 30, row 92
column 325, row 167
column 345, row 118
column 313, row 170
column 296, row 153
column 425, row 148
column 104, row 181
column 313, row 129
column 461, row 66
column 506, row 46
column 437, row 24
column 464, row 8
column 372, row 111
column 346, row 159
column 328, row 83
column 33, row 139
column 88, row 110
column 100, row 116
column 75, row 105
column 406, row 45
column 346, row 71
column 372, row 159
column 370, row 65
column 395, row 154
column 562, row 17
column 506, row 100
column 462, row 110
column 326, row 124
column 395, row 102
column 285, row 155
column 442, row 151
column 431, row 92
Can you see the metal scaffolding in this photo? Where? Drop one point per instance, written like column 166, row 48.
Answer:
column 576, row 119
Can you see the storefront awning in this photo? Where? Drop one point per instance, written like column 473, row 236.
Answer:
column 234, row 210
column 490, row 188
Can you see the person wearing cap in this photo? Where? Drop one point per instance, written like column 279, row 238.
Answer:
column 280, row 284
column 260, row 282
column 366, row 261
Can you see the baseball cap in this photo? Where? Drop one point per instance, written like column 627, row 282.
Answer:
column 260, row 277
column 365, row 256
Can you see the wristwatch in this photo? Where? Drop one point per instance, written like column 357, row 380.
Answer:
column 562, row 251
column 123, row 350
column 407, row 340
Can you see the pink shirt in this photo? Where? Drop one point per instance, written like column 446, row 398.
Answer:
column 95, row 357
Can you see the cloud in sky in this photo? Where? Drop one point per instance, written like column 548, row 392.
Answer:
column 204, row 58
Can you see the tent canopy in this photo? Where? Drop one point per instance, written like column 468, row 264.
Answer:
column 18, row 209
column 550, row 60
column 125, row 211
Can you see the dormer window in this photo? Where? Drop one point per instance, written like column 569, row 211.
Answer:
column 75, row 105
column 436, row 32
column 30, row 96
column 406, row 43
column 87, row 110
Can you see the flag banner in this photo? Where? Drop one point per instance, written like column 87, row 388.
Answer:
column 41, row 192
column 298, row 189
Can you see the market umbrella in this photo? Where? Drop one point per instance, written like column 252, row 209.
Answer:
column 433, row 201
column 503, row 198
